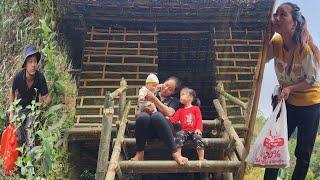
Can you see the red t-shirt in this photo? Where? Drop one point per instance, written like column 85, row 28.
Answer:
column 190, row 118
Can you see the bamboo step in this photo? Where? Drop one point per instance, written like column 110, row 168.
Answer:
column 172, row 167
column 158, row 144
column 89, row 128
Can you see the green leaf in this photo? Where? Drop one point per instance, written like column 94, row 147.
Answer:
column 58, row 124
column 53, row 109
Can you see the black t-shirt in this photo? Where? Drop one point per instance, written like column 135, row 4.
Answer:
column 20, row 87
column 171, row 101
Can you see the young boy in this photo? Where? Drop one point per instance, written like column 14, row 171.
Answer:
column 152, row 83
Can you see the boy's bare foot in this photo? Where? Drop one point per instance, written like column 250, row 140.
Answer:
column 179, row 159
column 138, row 157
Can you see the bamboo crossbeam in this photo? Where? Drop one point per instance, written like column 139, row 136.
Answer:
column 173, row 167
column 209, row 142
column 114, row 161
column 229, row 129
column 117, row 92
column 88, row 128
column 232, row 98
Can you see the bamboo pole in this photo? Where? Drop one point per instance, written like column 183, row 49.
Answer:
column 117, row 92
column 123, row 96
column 209, row 142
column 253, row 114
column 172, row 166
column 221, row 97
column 114, row 161
column 229, row 129
column 105, row 137
column 232, row 98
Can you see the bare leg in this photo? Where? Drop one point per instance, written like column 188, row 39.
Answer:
column 179, row 158
column 201, row 154
column 139, row 156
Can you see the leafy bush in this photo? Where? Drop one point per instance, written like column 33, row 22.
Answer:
column 33, row 21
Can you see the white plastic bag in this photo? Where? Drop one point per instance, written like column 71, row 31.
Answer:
column 270, row 150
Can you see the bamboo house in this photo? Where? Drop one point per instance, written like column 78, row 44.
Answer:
column 214, row 46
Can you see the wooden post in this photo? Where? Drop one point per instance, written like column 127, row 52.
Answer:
column 105, row 137
column 253, row 114
column 222, row 99
column 232, row 98
column 122, row 99
column 114, row 161
column 165, row 166
column 229, row 129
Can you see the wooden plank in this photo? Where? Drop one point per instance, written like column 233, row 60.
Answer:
column 119, row 55
column 119, row 48
column 119, row 64
column 117, row 41
column 173, row 167
column 108, row 87
column 239, row 52
column 105, row 137
column 114, row 161
column 237, row 59
column 96, row 32
column 114, row 72
column 108, row 80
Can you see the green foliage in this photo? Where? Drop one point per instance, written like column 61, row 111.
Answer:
column 21, row 23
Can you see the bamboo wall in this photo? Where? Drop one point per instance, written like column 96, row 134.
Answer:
column 110, row 54
column 237, row 53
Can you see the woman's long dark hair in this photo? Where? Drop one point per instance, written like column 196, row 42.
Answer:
column 301, row 34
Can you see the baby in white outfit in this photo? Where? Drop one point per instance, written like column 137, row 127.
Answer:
column 152, row 83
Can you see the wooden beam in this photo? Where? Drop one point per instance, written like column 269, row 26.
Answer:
column 230, row 130
column 114, row 161
column 122, row 98
column 88, row 128
column 168, row 20
column 173, row 167
column 105, row 137
column 209, row 142
column 222, row 99
column 231, row 98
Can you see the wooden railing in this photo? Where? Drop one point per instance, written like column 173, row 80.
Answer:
column 105, row 137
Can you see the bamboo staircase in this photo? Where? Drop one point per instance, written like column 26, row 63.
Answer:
column 223, row 147
column 107, row 110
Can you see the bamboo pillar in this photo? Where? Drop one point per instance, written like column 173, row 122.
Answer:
column 114, row 161
column 222, row 99
column 105, row 137
column 253, row 114
column 122, row 99
column 229, row 129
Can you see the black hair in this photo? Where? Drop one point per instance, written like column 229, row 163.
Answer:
column 300, row 21
column 191, row 92
column 177, row 82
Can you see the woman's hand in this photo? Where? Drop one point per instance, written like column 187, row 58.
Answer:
column 150, row 96
column 285, row 93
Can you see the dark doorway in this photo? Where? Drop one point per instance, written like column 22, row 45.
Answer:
column 189, row 57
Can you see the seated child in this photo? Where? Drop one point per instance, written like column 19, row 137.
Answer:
column 152, row 83
column 190, row 121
